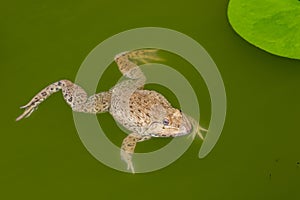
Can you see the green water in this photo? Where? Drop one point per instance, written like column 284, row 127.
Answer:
column 42, row 157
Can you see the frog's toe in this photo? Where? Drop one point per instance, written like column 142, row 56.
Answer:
column 127, row 157
column 192, row 135
column 28, row 111
column 130, row 167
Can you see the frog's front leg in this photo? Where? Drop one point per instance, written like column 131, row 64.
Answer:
column 128, row 147
column 74, row 95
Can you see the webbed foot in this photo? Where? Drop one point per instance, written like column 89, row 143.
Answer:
column 197, row 129
column 29, row 108
column 127, row 157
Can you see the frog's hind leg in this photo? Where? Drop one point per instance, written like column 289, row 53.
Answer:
column 144, row 56
column 128, row 61
column 74, row 95
column 128, row 147
column 141, row 56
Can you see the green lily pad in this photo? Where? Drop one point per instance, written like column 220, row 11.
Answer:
column 272, row 25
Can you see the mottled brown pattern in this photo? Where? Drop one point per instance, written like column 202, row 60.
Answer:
column 146, row 113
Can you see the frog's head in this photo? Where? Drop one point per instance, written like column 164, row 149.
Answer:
column 170, row 123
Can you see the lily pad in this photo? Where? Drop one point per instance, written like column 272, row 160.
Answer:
column 272, row 25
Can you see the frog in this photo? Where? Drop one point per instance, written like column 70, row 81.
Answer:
column 144, row 113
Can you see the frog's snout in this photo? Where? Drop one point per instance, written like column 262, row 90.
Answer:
column 185, row 127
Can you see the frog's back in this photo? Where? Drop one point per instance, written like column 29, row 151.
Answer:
column 145, row 106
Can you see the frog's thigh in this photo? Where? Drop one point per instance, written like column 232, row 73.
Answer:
column 130, row 141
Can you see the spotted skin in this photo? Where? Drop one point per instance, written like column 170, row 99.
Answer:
column 74, row 95
column 145, row 113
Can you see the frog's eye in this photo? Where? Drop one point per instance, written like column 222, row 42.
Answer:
column 166, row 122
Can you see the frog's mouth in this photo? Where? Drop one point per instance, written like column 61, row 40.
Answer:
column 156, row 129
